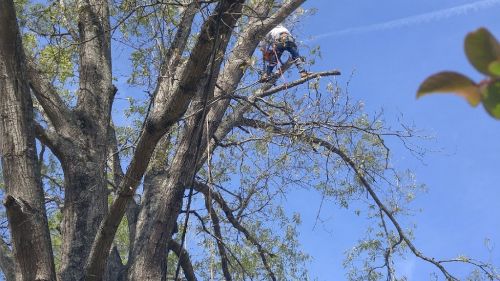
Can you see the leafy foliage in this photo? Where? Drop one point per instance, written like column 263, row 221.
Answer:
column 483, row 52
column 253, row 169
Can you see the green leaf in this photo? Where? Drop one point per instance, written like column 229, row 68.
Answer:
column 451, row 82
column 494, row 68
column 482, row 49
column 490, row 93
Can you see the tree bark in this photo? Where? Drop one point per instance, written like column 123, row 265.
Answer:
column 149, row 205
column 85, row 203
column 79, row 135
column 24, row 197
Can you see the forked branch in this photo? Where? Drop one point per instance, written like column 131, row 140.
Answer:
column 208, row 192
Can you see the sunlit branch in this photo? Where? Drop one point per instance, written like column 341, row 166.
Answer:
column 48, row 97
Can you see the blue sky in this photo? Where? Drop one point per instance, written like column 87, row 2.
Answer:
column 392, row 46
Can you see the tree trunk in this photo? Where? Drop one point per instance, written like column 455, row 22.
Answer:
column 84, row 163
column 155, row 230
column 149, row 206
column 85, row 203
column 24, row 197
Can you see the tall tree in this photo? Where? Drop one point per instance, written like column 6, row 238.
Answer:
column 212, row 152
column 24, row 199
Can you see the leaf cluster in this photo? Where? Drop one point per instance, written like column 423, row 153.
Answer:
column 483, row 52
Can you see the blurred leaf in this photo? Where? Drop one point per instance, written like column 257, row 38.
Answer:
column 451, row 82
column 482, row 49
column 491, row 98
column 494, row 68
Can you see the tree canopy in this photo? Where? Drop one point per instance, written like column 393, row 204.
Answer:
column 188, row 175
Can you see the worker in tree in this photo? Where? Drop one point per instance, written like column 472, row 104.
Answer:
column 275, row 43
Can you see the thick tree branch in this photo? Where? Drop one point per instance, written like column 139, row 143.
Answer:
column 51, row 139
column 96, row 90
column 117, row 171
column 233, row 72
column 84, row 165
column 185, row 261
column 57, row 111
column 114, row 156
column 171, row 104
column 287, row 86
column 115, row 270
column 181, row 37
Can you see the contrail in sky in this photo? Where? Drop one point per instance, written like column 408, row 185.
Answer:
column 422, row 18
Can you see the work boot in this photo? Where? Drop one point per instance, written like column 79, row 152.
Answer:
column 264, row 78
column 304, row 74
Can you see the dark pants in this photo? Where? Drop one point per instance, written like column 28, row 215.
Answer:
column 286, row 44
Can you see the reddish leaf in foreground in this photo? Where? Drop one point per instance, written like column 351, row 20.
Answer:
column 451, row 82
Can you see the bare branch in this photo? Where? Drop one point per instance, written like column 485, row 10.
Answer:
column 208, row 192
column 390, row 248
column 484, row 267
column 206, row 230
column 297, row 82
column 266, row 90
